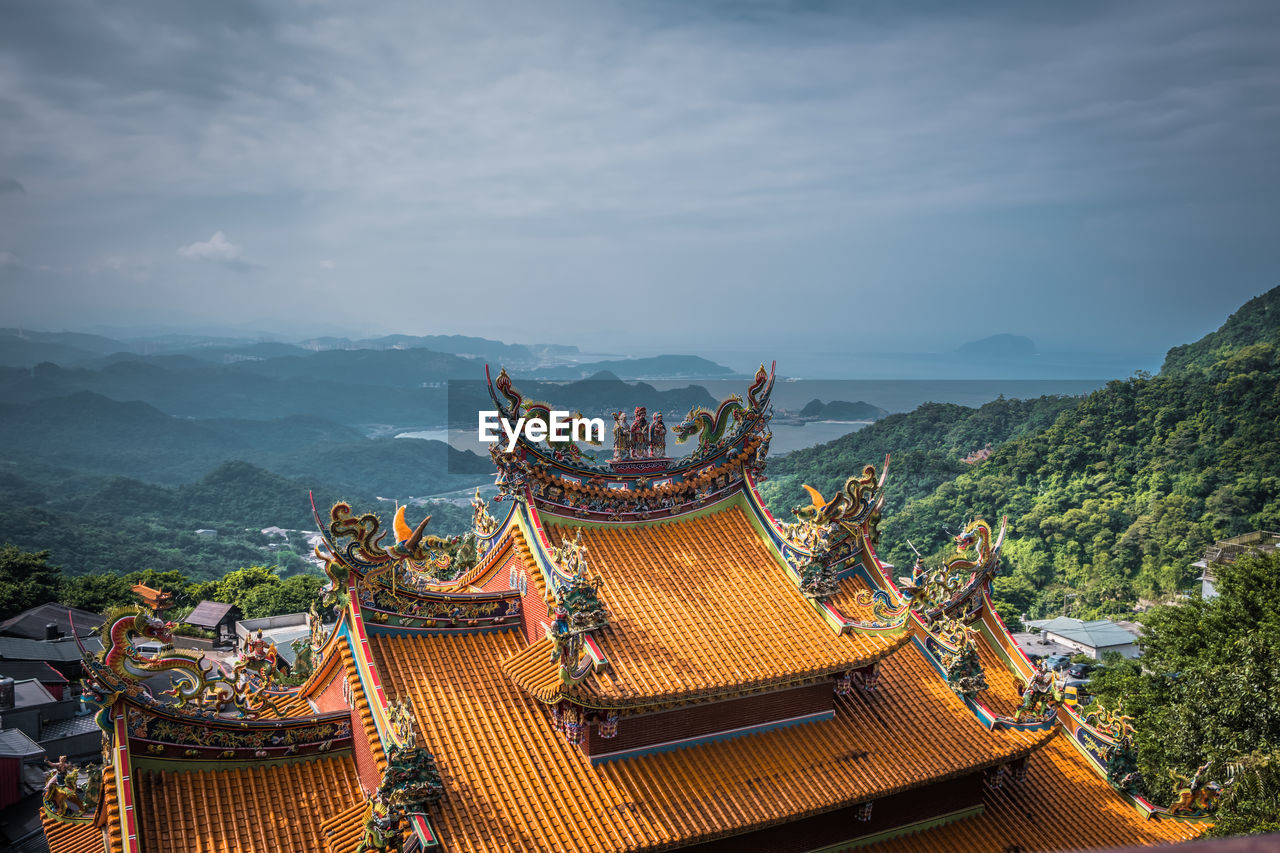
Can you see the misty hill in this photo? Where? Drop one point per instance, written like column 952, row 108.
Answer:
column 95, row 524
column 1110, row 498
column 1257, row 322
column 654, row 367
column 599, row 395
column 92, row 433
column 842, row 410
column 1000, row 346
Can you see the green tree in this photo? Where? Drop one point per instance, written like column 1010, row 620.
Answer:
column 97, row 593
column 26, row 580
column 1206, row 691
column 236, row 587
column 292, row 595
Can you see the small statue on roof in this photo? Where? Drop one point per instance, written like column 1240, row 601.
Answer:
column 639, row 444
column 621, row 436
column 657, row 437
column 964, row 670
column 1041, row 697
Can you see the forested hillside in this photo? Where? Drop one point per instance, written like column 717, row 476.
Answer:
column 1110, row 501
column 93, row 524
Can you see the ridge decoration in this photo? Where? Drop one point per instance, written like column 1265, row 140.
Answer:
column 963, row 669
column 1041, row 697
column 61, row 798
column 579, row 611
column 947, row 591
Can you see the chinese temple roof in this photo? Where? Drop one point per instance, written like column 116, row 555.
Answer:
column 764, row 676
column 1061, row 805
column 513, row 784
column 244, row 808
column 701, row 606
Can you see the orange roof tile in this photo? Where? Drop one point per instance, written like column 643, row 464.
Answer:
column 1061, row 805
column 244, row 809
column 1001, row 695
column 343, row 831
column 72, row 837
column 512, row 783
column 699, row 606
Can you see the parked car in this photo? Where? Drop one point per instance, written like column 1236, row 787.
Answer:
column 1056, row 662
column 1079, row 670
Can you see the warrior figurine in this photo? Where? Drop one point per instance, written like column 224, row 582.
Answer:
column 621, row 436
column 639, row 433
column 657, row 437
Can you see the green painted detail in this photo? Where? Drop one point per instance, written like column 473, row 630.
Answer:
column 214, row 763
column 898, row 831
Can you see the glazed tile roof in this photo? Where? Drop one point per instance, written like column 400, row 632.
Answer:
column 1001, row 695
column 72, row 837
column 698, row 607
column 342, row 832
column 512, row 783
column 243, row 810
column 1061, row 805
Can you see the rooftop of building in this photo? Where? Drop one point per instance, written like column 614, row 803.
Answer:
column 33, row 624
column 1095, row 633
column 697, row 607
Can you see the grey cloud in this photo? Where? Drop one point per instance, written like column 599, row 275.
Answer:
column 890, row 161
column 11, row 186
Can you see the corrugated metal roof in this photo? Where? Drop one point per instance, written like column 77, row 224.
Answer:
column 1097, row 633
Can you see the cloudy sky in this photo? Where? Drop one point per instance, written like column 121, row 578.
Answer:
column 646, row 175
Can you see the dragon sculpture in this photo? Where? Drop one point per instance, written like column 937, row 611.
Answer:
column 947, row 588
column 201, row 684
column 712, row 427
column 413, row 551
column 517, row 407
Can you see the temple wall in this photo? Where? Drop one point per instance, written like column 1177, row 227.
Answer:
column 700, row 721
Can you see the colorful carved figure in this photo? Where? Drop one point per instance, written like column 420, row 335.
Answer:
column 1196, row 796
column 818, row 579
column 579, row 611
column 1122, row 765
column 62, row 789
column 1041, row 697
column 411, row 781
column 657, row 437
column 621, row 436
column 964, row 670
column 482, row 522
column 639, row 433
column 382, row 830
